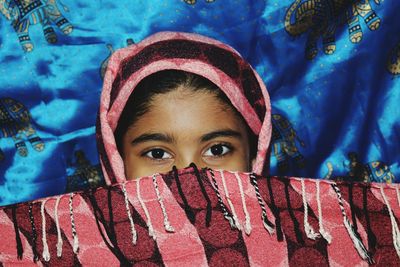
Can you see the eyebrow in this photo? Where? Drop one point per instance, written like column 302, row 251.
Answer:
column 147, row 137
column 221, row 133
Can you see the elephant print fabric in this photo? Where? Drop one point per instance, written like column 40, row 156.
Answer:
column 25, row 13
column 375, row 171
column 393, row 63
column 284, row 144
column 110, row 48
column 320, row 19
column 372, row 172
column 84, row 174
column 15, row 122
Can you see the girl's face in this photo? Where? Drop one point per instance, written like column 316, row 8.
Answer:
column 182, row 127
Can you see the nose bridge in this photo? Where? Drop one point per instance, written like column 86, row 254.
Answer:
column 186, row 159
column 183, row 163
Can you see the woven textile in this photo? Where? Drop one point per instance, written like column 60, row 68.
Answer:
column 331, row 68
column 126, row 224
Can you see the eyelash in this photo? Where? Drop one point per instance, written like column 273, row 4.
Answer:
column 230, row 149
column 144, row 154
column 228, row 146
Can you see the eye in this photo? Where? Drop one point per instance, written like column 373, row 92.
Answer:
column 158, row 153
column 217, row 150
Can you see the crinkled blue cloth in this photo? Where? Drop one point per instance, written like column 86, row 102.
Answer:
column 331, row 67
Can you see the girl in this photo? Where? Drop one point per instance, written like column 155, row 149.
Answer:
column 177, row 98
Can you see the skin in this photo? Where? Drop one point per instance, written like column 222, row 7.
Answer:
column 182, row 127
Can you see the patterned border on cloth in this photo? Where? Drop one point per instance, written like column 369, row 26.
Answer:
column 207, row 217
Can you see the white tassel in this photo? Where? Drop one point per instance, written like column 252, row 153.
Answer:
column 270, row 230
column 235, row 218
column 247, row 224
column 75, row 245
column 59, row 239
column 227, row 216
column 167, row 224
column 395, row 227
column 149, row 224
column 128, row 211
column 357, row 242
column 307, row 227
column 46, row 253
column 398, row 195
column 362, row 251
column 261, row 202
column 322, row 231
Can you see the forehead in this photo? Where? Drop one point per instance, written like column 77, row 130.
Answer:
column 186, row 112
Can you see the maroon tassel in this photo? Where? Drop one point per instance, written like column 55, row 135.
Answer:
column 34, row 234
column 188, row 210
column 20, row 249
column 203, row 190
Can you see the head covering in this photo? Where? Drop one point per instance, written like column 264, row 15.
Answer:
column 194, row 53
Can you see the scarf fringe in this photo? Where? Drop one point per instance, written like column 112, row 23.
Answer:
column 59, row 239
column 205, row 195
column 34, row 234
column 398, row 195
column 75, row 245
column 229, row 215
column 146, row 211
column 167, row 224
column 247, row 224
column 20, row 249
column 357, row 242
column 270, row 227
column 395, row 227
column 235, row 218
column 46, row 253
column 325, row 234
column 187, row 208
column 311, row 234
column 128, row 211
column 225, row 211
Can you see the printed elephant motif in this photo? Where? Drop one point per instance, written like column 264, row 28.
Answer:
column 321, row 18
column 24, row 13
column 15, row 122
column 192, row 2
column 84, row 175
column 393, row 63
column 284, row 147
column 104, row 64
column 375, row 171
column 363, row 9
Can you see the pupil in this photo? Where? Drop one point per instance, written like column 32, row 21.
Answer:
column 157, row 153
column 216, row 150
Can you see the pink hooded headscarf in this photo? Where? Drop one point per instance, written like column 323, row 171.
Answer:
column 217, row 62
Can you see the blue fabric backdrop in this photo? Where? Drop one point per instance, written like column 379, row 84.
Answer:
column 331, row 68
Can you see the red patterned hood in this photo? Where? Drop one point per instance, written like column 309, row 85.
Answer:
column 194, row 53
